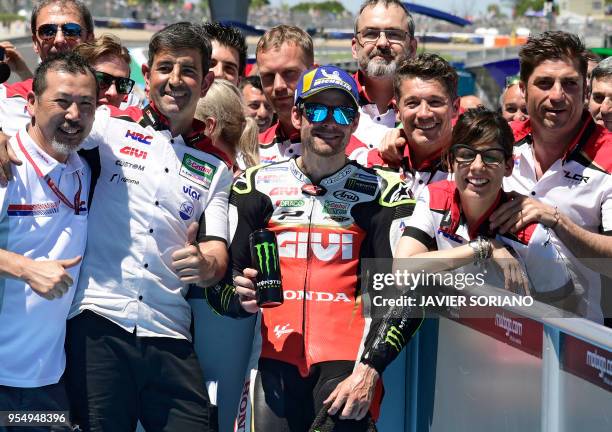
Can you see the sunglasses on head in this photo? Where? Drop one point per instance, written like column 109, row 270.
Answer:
column 317, row 113
column 123, row 85
column 69, row 30
column 464, row 154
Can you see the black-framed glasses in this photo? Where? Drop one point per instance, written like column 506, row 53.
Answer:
column 371, row 35
column 464, row 154
column 317, row 113
column 123, row 85
column 69, row 30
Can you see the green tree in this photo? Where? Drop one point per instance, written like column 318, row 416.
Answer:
column 256, row 4
column 334, row 7
column 521, row 6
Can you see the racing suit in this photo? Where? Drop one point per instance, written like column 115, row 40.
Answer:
column 319, row 332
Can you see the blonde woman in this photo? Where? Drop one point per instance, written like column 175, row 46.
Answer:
column 222, row 110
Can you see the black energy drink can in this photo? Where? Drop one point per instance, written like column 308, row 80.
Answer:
column 265, row 259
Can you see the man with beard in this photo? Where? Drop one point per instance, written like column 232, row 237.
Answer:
column 44, row 225
column 57, row 26
column 562, row 165
column 384, row 37
column 316, row 351
column 600, row 99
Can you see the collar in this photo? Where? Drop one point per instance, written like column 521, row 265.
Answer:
column 433, row 163
column 347, row 169
column 280, row 136
column 196, row 138
column 364, row 99
column 42, row 162
column 450, row 222
column 523, row 133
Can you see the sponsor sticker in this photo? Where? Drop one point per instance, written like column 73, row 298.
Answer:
column 361, row 186
column 347, row 196
column 136, row 136
column 118, row 178
column 131, row 165
column 335, row 208
column 186, row 210
column 197, row 171
column 290, row 203
column 283, row 190
column 133, row 152
column 192, row 192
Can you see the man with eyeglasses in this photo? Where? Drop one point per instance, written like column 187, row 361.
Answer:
column 327, row 213
column 57, row 26
column 562, row 176
column 384, row 37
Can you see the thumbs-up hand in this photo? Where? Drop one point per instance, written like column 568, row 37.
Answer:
column 187, row 262
column 49, row 279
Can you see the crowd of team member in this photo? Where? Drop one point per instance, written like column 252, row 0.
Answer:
column 110, row 254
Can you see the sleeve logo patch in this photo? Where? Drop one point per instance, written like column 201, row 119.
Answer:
column 361, row 186
column 197, row 171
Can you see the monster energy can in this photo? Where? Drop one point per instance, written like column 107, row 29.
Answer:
column 264, row 254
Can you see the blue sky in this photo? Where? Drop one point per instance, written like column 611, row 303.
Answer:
column 456, row 6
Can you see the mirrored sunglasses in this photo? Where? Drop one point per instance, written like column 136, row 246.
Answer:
column 317, row 113
column 69, row 30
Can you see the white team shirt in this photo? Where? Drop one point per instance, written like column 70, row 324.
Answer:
column 36, row 224
column 13, row 106
column 580, row 185
column 438, row 222
column 151, row 188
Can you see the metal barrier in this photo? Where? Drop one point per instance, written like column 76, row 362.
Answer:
column 515, row 371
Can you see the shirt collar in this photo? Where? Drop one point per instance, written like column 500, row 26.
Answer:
column 451, row 222
column 523, row 131
column 364, row 99
column 42, row 162
column 433, row 163
column 196, row 138
column 294, row 137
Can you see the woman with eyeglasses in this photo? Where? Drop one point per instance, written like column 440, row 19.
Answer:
column 450, row 221
column 111, row 62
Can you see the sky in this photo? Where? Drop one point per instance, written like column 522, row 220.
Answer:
column 460, row 7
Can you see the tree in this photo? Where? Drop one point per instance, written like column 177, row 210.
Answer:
column 521, row 6
column 334, row 7
column 256, row 4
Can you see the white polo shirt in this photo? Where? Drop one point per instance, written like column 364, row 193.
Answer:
column 151, row 187
column 580, row 185
column 13, row 102
column 373, row 125
column 36, row 224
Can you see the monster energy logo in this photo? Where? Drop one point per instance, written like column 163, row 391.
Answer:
column 269, row 250
column 394, row 338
